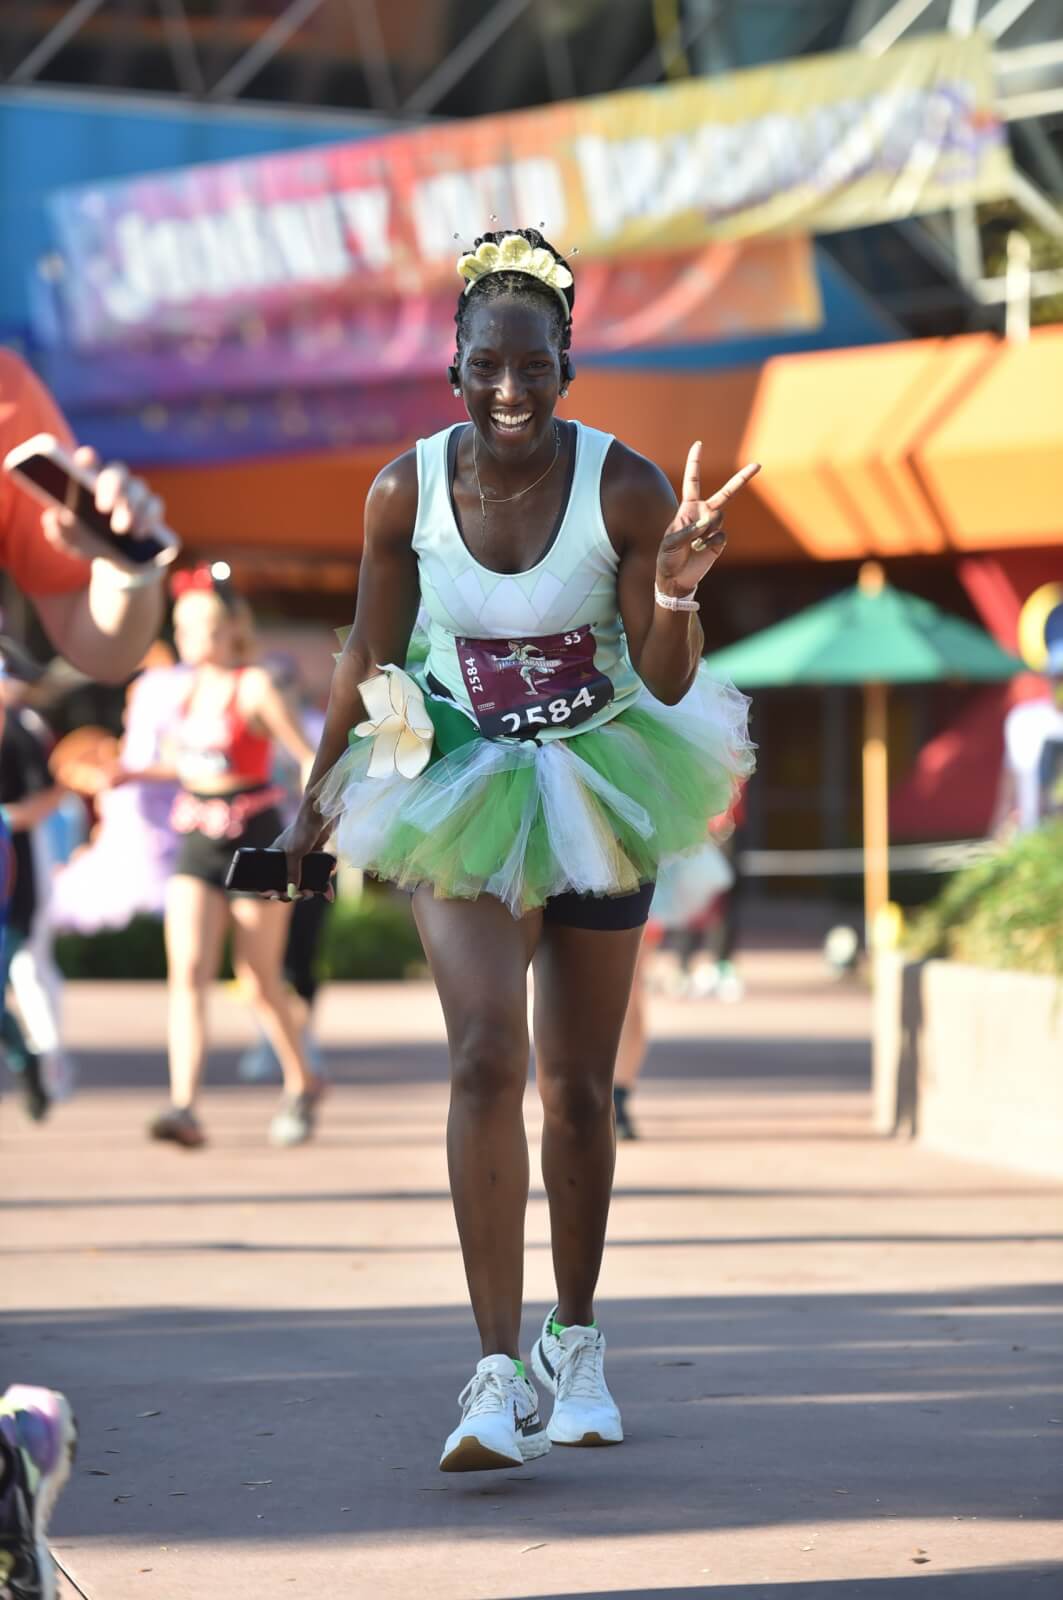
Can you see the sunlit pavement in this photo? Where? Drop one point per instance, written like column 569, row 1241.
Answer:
column 835, row 1355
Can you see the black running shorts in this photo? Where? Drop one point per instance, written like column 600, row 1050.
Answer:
column 208, row 859
column 600, row 913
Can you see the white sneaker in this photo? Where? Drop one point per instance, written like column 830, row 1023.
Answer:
column 730, row 988
column 500, row 1424
column 704, row 980
column 293, row 1122
column 572, row 1365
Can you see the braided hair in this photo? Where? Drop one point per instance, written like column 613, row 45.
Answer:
column 519, row 286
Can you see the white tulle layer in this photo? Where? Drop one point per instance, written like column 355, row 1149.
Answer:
column 578, row 804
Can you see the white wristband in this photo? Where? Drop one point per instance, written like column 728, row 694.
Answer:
column 673, row 602
column 122, row 579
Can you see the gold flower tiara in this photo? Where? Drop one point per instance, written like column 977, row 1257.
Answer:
column 515, row 254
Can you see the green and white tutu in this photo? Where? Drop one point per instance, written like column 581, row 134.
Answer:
column 594, row 813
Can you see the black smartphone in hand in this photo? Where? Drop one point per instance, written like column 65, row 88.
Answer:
column 42, row 466
column 266, row 871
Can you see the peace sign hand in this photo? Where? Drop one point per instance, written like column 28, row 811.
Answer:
column 695, row 539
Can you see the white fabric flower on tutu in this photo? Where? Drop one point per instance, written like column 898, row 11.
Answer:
column 398, row 724
column 515, row 254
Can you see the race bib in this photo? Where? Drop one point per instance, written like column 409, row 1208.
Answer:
column 518, row 687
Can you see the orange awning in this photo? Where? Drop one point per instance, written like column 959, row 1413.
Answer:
column 660, row 414
column 295, row 505
column 889, row 450
column 993, row 464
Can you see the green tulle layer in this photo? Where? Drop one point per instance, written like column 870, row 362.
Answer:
column 596, row 813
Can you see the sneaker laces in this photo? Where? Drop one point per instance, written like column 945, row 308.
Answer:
column 579, row 1366
column 485, row 1391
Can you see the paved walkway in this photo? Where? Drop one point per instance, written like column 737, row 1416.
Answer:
column 835, row 1355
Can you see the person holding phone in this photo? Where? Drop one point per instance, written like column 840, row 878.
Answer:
column 100, row 611
column 220, row 751
column 525, row 782
column 28, row 797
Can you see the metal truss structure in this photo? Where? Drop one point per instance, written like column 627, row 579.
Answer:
column 407, row 61
column 1029, row 77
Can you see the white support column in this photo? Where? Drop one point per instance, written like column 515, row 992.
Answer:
column 995, row 23
column 922, row 235
column 1017, row 287
column 967, row 244
column 1043, row 154
column 556, row 55
column 863, row 14
column 694, row 27
column 1029, row 57
column 182, row 49
column 994, row 291
column 888, row 29
column 1038, row 103
column 54, row 40
column 1047, row 213
column 461, row 60
column 963, row 14
column 374, row 55
column 264, row 49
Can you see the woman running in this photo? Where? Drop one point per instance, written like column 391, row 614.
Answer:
column 525, row 782
column 222, row 757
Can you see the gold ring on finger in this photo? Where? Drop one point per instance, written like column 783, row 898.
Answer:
column 698, row 544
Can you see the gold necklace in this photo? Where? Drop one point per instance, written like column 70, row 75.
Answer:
column 502, row 500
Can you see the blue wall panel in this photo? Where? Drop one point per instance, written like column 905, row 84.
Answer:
column 48, row 142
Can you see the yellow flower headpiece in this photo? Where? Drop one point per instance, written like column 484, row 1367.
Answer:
column 515, row 254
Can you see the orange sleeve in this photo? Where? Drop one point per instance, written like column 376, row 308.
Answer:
column 27, row 408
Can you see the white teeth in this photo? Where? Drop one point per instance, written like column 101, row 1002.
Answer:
column 502, row 419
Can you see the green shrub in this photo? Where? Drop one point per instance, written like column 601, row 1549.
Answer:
column 1006, row 911
column 371, row 936
column 367, row 937
column 135, row 951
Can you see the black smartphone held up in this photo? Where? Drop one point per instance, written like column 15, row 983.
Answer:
column 44, row 467
column 266, row 871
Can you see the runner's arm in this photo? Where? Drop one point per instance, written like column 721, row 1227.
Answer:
column 261, row 700
column 386, row 611
column 638, row 504
column 103, row 629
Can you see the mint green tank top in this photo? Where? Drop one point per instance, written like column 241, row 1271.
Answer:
column 528, row 655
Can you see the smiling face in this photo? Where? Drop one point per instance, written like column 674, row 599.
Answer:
column 511, row 375
column 204, row 631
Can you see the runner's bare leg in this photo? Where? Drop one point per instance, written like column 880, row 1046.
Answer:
column 582, row 983
column 479, row 956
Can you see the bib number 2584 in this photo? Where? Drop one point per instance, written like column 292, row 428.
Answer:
column 554, row 714
column 521, row 687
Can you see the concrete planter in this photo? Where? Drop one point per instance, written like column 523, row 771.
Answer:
column 970, row 1061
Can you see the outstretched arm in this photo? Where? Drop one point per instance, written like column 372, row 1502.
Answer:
column 383, row 622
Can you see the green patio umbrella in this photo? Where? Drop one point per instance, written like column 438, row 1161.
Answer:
column 873, row 635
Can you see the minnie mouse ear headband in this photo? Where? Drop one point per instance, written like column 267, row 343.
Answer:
column 513, row 253
column 210, row 578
